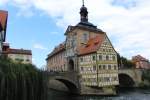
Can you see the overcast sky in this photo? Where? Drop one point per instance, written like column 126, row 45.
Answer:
column 39, row 25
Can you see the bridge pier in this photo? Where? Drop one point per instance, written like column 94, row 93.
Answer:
column 85, row 90
column 82, row 90
column 70, row 82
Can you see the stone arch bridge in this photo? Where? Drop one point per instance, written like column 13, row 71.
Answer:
column 127, row 78
column 130, row 77
column 69, row 79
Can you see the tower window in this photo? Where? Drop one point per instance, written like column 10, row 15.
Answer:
column 85, row 37
column 73, row 43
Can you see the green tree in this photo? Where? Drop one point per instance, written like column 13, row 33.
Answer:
column 21, row 81
column 124, row 62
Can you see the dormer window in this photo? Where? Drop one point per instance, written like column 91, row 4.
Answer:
column 96, row 43
column 87, row 45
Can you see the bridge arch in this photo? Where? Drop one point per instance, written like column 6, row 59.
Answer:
column 126, row 80
column 73, row 89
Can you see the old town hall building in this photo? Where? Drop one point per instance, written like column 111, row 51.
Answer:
column 88, row 51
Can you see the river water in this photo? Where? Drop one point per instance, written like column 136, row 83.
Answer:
column 134, row 94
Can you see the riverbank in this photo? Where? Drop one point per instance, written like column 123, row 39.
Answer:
column 132, row 94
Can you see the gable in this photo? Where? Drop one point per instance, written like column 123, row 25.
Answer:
column 107, row 46
column 106, row 42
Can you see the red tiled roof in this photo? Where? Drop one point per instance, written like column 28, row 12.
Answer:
column 17, row 51
column 139, row 58
column 57, row 49
column 92, row 45
column 3, row 19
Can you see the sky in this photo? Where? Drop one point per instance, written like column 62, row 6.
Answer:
column 39, row 25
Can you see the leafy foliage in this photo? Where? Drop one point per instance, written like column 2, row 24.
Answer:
column 146, row 75
column 124, row 62
column 21, row 81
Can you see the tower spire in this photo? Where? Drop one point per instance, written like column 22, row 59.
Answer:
column 84, row 13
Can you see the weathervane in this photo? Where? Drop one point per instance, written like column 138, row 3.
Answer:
column 83, row 2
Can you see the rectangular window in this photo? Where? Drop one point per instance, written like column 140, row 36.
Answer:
column 100, row 67
column 104, row 66
column 81, row 59
column 82, row 69
column 94, row 68
column 27, row 60
column 114, row 58
column 100, row 57
column 94, row 58
column 107, row 57
column 109, row 67
column 85, row 37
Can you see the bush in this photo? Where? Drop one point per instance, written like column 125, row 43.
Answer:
column 146, row 75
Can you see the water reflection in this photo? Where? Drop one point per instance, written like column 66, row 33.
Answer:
column 130, row 95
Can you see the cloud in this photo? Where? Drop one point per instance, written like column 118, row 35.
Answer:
column 125, row 21
column 125, row 3
column 39, row 46
column 3, row 2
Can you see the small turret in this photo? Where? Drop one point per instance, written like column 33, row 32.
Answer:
column 84, row 13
